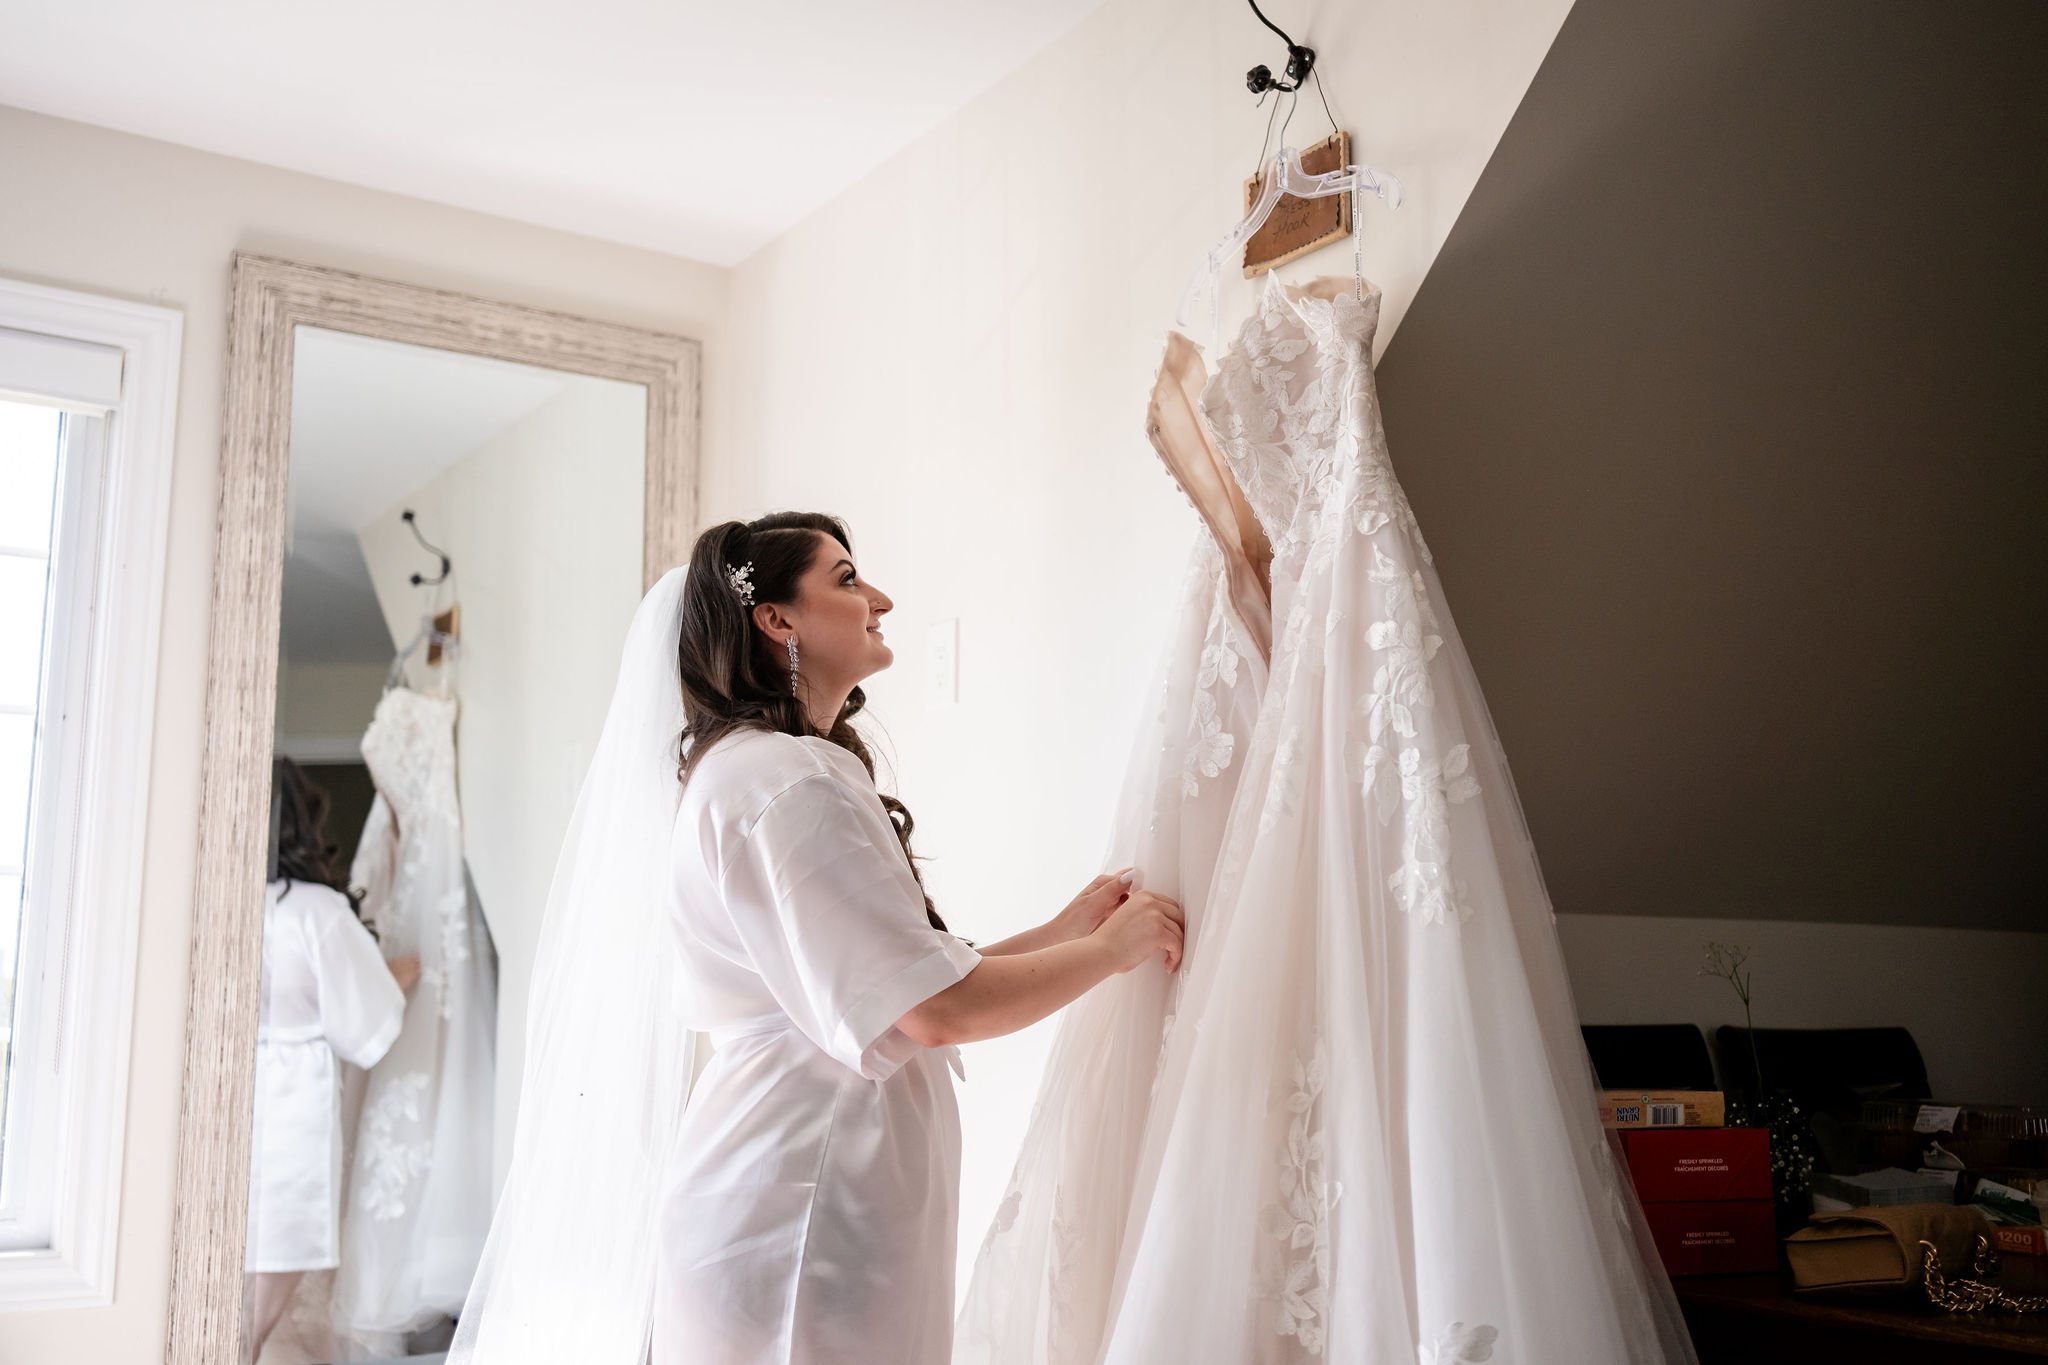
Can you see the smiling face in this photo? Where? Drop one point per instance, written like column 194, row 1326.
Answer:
column 836, row 617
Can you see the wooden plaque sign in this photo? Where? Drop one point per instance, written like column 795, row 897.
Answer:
column 447, row 626
column 1299, row 226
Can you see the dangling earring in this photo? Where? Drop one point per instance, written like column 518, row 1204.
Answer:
column 792, row 665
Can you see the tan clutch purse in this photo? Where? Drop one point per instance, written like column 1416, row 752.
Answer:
column 1879, row 1248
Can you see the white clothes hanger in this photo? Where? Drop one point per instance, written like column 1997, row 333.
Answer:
column 1285, row 175
column 429, row 633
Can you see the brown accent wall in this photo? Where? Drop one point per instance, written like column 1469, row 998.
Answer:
column 1721, row 409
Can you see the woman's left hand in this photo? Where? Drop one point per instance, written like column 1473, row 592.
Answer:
column 405, row 970
column 1086, row 912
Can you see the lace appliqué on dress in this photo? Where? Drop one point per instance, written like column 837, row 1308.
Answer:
column 1401, row 686
column 1459, row 1344
column 1299, row 1219
column 1062, row 1329
column 1209, row 745
column 1393, row 708
column 453, row 917
column 387, row 1167
column 1283, row 793
column 1428, row 891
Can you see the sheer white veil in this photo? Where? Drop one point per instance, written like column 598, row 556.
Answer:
column 568, row 1271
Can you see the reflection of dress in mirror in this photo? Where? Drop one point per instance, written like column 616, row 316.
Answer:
column 326, row 994
column 419, row 1197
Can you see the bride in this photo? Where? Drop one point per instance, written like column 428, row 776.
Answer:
column 731, row 870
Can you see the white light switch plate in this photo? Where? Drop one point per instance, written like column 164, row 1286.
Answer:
column 942, row 660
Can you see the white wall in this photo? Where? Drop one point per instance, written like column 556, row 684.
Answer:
column 955, row 356
column 323, row 708
column 543, row 525
column 84, row 208
column 1971, row 997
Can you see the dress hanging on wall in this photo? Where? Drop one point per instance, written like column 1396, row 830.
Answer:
column 1042, row 1282
column 1360, row 1124
column 419, row 1191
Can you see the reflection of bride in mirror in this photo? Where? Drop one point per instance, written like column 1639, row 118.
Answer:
column 328, row 996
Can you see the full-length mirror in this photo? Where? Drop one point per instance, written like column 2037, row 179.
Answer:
column 462, row 560
column 438, row 516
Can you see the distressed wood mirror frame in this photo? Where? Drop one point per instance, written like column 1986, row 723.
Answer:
column 269, row 300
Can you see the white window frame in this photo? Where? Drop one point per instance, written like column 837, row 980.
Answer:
column 82, row 916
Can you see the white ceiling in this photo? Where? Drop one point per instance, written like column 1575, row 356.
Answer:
column 371, row 422
column 691, row 128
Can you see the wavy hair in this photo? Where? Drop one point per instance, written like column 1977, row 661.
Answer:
column 734, row 677
column 303, row 851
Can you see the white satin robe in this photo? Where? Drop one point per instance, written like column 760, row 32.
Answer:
column 813, row 1211
column 326, row 995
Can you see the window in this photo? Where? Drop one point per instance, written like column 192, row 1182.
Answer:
column 86, row 395
column 30, row 441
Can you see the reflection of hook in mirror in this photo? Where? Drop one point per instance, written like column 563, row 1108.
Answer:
column 419, row 580
column 438, row 625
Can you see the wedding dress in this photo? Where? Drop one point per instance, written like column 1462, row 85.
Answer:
column 419, row 1190
column 1359, row 1125
column 1041, row 1283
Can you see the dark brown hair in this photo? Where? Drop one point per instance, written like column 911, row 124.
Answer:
column 734, row 678
column 303, row 853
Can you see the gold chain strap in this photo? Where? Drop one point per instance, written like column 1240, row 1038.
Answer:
column 1972, row 1296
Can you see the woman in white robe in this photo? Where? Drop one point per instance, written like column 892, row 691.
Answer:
column 328, row 996
column 822, row 1144
column 813, row 1211
column 804, row 1207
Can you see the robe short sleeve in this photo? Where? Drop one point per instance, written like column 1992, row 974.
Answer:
column 361, row 1004
column 835, row 925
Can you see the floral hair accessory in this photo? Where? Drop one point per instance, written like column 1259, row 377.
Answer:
column 742, row 580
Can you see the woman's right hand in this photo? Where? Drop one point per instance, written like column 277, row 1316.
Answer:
column 1146, row 923
column 1086, row 912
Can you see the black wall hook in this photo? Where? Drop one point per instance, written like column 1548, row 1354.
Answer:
column 418, row 580
column 1301, row 61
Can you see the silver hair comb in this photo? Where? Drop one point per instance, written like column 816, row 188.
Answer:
column 742, row 580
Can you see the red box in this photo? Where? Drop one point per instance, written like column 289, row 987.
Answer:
column 1697, row 1165
column 1715, row 1236
column 2023, row 1239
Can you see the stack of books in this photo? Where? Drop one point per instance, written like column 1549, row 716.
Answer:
column 1705, row 1189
